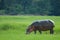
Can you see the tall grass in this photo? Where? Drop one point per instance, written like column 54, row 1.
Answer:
column 14, row 27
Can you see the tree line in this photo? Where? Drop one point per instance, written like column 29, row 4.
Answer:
column 33, row 7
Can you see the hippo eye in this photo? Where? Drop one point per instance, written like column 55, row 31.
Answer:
column 28, row 30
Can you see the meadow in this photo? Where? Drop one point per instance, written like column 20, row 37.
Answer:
column 14, row 28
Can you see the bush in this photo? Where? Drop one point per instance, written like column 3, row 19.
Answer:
column 2, row 12
column 6, row 27
column 13, row 26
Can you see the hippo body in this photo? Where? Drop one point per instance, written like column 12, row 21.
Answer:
column 41, row 25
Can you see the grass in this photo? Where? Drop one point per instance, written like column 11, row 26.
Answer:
column 14, row 27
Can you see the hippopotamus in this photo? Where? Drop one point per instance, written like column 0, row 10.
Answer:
column 41, row 25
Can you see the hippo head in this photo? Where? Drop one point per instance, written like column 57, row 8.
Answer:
column 29, row 30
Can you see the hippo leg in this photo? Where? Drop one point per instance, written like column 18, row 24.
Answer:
column 40, row 32
column 51, row 31
column 34, row 31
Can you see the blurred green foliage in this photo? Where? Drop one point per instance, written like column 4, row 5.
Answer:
column 35, row 7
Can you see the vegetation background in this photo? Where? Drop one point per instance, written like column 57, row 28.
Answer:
column 17, row 15
column 30, row 7
column 14, row 28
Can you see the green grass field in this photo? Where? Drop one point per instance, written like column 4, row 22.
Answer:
column 14, row 27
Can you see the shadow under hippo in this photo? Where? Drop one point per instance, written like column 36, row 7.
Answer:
column 41, row 25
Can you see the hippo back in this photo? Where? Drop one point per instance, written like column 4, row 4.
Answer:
column 43, row 24
column 46, row 23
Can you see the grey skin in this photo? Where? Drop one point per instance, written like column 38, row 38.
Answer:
column 41, row 25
